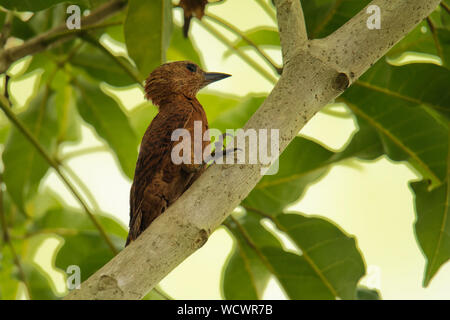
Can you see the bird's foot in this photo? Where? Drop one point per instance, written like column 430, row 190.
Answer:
column 216, row 155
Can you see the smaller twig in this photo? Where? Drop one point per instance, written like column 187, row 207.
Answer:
column 239, row 52
column 77, row 32
column 292, row 26
column 238, row 32
column 5, row 89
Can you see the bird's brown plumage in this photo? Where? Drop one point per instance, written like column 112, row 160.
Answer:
column 158, row 182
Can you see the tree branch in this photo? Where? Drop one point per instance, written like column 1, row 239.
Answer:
column 57, row 34
column 313, row 75
column 292, row 27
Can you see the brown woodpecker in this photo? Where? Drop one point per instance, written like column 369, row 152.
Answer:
column 158, row 181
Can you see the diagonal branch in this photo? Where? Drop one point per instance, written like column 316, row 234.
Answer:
column 314, row 73
column 58, row 34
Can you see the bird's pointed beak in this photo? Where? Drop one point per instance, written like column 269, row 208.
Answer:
column 211, row 77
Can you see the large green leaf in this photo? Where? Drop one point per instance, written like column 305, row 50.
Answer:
column 147, row 29
column 329, row 253
column 329, row 265
column 302, row 162
column 406, row 105
column 237, row 116
column 83, row 245
column 102, row 66
column 245, row 274
column 109, row 121
column 431, row 36
column 217, row 104
column 24, row 166
column 66, row 112
column 433, row 225
column 39, row 283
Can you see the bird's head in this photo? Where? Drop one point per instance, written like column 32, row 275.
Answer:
column 178, row 78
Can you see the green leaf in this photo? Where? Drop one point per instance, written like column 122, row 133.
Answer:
column 245, row 275
column 432, row 225
column 331, row 262
column 217, row 104
column 102, row 66
column 83, row 245
column 302, row 162
column 365, row 144
column 39, row 283
column 109, row 121
column 69, row 129
column 419, row 39
column 24, row 166
column 147, row 29
column 237, row 116
column 33, row 5
column 324, row 17
column 423, row 39
column 262, row 37
column 406, row 105
column 363, row 293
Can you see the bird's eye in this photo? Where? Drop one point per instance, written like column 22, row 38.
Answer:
column 191, row 67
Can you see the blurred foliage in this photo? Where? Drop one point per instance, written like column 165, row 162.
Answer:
column 402, row 112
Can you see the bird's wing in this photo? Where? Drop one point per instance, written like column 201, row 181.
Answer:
column 155, row 149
